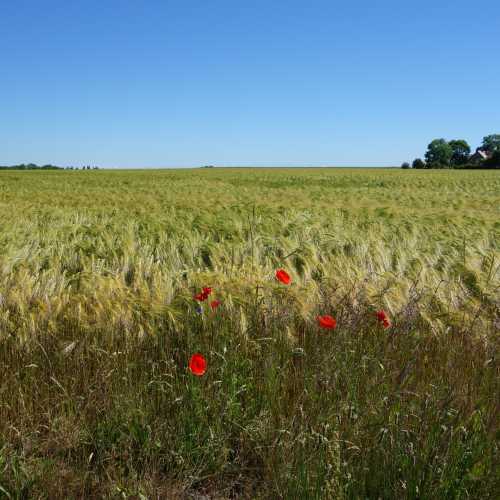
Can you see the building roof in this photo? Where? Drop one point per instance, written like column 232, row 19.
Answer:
column 485, row 155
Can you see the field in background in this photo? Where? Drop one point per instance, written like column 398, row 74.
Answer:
column 97, row 323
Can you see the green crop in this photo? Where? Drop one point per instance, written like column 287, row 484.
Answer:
column 98, row 270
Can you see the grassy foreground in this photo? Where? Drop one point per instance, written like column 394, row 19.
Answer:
column 97, row 324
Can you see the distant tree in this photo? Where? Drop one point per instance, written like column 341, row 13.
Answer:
column 405, row 165
column 418, row 163
column 461, row 152
column 438, row 154
column 491, row 143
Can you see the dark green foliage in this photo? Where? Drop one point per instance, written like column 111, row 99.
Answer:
column 405, row 165
column 438, row 154
column 456, row 154
column 30, row 166
column 491, row 143
column 461, row 152
column 33, row 166
column 494, row 161
column 418, row 163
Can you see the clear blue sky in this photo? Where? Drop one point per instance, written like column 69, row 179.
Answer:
column 186, row 83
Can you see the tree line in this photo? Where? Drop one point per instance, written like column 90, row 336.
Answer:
column 34, row 166
column 457, row 154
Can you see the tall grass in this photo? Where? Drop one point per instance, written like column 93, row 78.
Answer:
column 97, row 323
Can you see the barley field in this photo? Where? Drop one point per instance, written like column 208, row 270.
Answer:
column 98, row 322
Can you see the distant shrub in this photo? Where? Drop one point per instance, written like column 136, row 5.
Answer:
column 418, row 163
column 405, row 165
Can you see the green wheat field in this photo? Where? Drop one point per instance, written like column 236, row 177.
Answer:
column 98, row 270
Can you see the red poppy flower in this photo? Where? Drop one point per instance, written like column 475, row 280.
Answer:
column 198, row 364
column 327, row 322
column 283, row 276
column 203, row 295
column 215, row 304
column 383, row 318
